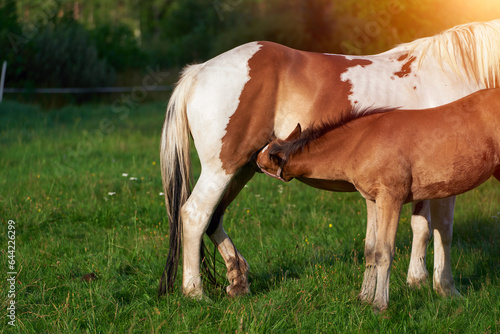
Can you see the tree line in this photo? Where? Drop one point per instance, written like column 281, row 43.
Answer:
column 76, row 43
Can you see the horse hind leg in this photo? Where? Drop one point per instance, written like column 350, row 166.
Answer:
column 237, row 266
column 420, row 224
column 370, row 278
column 442, row 223
column 388, row 213
column 196, row 214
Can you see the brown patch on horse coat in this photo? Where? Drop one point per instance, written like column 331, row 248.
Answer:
column 406, row 68
column 284, row 84
column 403, row 57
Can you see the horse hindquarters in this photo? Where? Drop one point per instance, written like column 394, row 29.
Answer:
column 224, row 146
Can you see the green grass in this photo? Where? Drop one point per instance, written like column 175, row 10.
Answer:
column 304, row 246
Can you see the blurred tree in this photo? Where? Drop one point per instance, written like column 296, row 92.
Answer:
column 65, row 56
column 319, row 25
column 151, row 13
column 118, row 45
column 128, row 34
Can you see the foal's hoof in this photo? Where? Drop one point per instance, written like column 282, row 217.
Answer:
column 378, row 309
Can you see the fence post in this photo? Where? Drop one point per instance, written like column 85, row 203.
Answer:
column 2, row 80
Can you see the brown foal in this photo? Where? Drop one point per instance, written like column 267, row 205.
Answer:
column 393, row 158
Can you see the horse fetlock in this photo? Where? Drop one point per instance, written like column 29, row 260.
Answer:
column 369, row 284
column 236, row 267
column 237, row 274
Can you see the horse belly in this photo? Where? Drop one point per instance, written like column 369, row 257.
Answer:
column 337, row 186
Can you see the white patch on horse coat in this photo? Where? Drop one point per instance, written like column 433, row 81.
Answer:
column 215, row 99
column 377, row 85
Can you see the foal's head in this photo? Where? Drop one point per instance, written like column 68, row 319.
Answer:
column 272, row 158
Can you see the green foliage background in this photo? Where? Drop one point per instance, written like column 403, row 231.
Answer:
column 62, row 43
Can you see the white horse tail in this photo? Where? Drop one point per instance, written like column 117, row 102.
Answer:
column 175, row 165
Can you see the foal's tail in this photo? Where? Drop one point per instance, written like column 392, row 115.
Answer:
column 175, row 164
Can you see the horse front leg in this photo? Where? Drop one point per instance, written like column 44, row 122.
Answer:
column 370, row 278
column 442, row 223
column 421, row 227
column 388, row 212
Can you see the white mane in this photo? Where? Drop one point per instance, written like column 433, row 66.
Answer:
column 472, row 49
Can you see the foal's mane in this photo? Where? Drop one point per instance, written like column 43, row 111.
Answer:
column 316, row 131
column 472, row 49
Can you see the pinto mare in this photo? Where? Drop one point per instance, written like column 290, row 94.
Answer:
column 452, row 149
column 233, row 104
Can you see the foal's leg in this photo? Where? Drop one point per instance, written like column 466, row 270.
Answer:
column 388, row 212
column 237, row 266
column 370, row 279
column 421, row 227
column 442, row 223
column 196, row 214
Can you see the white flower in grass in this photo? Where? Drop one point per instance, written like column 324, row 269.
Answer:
column 124, row 174
column 162, row 194
column 133, row 179
column 111, row 193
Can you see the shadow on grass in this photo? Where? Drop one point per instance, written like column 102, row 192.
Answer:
column 292, row 268
column 475, row 239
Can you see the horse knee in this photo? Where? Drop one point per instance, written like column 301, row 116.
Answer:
column 370, row 254
column 383, row 257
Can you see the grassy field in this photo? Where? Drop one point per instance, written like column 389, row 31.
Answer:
column 82, row 185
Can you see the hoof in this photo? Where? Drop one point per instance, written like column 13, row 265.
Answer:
column 449, row 292
column 379, row 308
column 417, row 282
column 237, row 290
column 201, row 297
column 417, row 274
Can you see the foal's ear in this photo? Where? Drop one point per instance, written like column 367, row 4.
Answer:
column 295, row 133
